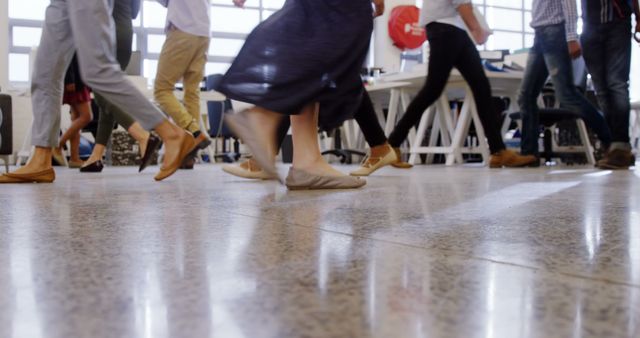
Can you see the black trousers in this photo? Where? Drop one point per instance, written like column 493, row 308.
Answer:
column 451, row 47
column 365, row 116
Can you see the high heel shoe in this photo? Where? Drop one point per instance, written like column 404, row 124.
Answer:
column 153, row 144
column 94, row 167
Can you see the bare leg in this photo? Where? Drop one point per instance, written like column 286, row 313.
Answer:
column 135, row 130
column 306, row 150
column 85, row 116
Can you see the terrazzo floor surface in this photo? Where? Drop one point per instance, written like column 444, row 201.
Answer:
column 427, row 252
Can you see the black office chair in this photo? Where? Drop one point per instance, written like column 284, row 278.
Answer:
column 217, row 127
column 561, row 130
column 6, row 130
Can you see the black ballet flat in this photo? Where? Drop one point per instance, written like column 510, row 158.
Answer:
column 94, row 167
column 153, row 145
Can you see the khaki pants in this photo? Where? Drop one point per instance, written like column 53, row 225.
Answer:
column 183, row 57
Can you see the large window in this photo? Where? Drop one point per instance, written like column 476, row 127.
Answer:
column 229, row 25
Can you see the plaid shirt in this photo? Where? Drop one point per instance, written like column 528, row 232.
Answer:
column 552, row 12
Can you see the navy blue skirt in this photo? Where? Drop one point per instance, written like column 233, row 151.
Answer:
column 309, row 51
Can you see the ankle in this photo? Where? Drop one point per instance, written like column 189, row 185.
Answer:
column 381, row 150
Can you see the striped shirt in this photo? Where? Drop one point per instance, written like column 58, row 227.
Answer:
column 553, row 12
column 604, row 11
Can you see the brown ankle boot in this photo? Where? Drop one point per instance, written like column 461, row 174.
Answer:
column 399, row 163
column 509, row 158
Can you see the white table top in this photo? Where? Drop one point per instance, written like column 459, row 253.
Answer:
column 386, row 85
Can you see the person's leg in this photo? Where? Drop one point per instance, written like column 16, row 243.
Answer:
column 558, row 61
column 74, row 141
column 53, row 57
column 109, row 113
column 306, row 150
column 83, row 111
column 93, row 34
column 535, row 75
column 366, row 118
column 470, row 66
column 618, row 67
column 175, row 58
column 443, row 48
column 193, row 77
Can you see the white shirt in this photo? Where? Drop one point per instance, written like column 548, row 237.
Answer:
column 189, row 16
column 442, row 11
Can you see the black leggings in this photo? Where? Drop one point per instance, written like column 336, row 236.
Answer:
column 451, row 47
column 365, row 116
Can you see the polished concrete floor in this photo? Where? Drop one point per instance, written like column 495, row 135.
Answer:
column 428, row 252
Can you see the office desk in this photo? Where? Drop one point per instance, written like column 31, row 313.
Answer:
column 452, row 129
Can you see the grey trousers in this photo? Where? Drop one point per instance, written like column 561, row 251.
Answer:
column 85, row 27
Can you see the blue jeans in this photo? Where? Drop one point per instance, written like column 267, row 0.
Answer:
column 550, row 56
column 607, row 52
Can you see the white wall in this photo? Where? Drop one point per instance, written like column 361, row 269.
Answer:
column 4, row 43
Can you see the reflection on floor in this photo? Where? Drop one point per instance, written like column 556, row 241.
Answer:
column 428, row 252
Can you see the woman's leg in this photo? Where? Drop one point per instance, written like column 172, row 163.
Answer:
column 306, row 150
column 84, row 117
column 74, row 141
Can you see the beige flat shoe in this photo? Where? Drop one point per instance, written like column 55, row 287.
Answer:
column 247, row 170
column 240, row 124
column 371, row 164
column 302, row 180
column 75, row 165
column 59, row 158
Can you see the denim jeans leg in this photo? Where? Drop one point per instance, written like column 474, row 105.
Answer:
column 559, row 64
column 534, row 78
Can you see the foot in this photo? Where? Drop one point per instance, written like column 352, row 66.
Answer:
column 400, row 164
column 58, row 157
column 511, row 159
column 177, row 147
column 319, row 167
column 304, row 180
column 378, row 157
column 244, row 125
column 248, row 169
column 617, row 159
column 75, row 164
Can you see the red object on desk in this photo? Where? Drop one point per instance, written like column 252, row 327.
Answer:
column 404, row 28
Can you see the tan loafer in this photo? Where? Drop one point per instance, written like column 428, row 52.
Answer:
column 44, row 176
column 302, row 180
column 371, row 164
column 399, row 163
column 248, row 170
column 187, row 146
column 511, row 159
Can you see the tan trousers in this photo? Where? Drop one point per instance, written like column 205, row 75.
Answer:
column 183, row 56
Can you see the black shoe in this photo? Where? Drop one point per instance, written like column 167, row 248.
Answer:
column 188, row 163
column 153, row 145
column 95, row 167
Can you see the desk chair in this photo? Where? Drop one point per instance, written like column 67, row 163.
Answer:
column 217, row 128
column 557, row 125
column 6, row 130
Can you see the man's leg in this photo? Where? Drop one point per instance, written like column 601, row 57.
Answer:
column 193, row 77
column 535, row 76
column 176, row 56
column 556, row 57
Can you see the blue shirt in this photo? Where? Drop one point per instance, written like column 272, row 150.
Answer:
column 553, row 12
